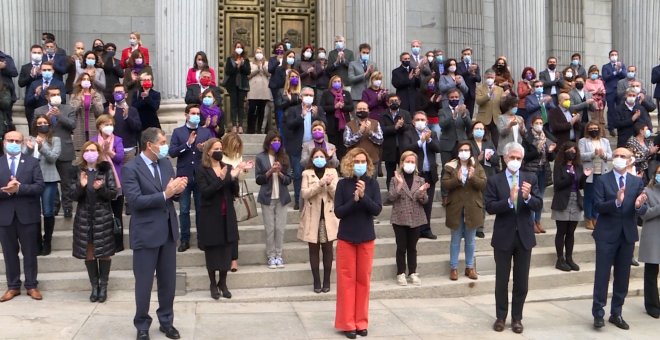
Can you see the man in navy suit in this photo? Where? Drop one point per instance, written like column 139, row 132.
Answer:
column 512, row 196
column 538, row 104
column 22, row 184
column 471, row 73
column 186, row 146
column 35, row 95
column 7, row 72
column 59, row 60
column 406, row 80
column 150, row 188
column 612, row 72
column 619, row 198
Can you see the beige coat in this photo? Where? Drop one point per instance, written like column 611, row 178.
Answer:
column 95, row 110
column 258, row 79
column 313, row 194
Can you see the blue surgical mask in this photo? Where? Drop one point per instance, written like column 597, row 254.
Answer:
column 468, row 59
column 194, row 120
column 575, row 62
column 594, row 76
column 630, row 75
column 319, row 162
column 47, row 75
column 514, row 110
column 439, row 58
column 13, row 148
column 207, row 101
column 288, row 46
column 657, row 178
column 538, row 90
column 364, row 57
column 415, row 50
column 90, row 62
column 647, row 133
column 479, row 133
column 360, row 169
column 162, row 151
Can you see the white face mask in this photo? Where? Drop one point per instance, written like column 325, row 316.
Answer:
column 538, row 127
column 322, row 55
column 430, row 59
column 409, row 168
column 614, row 58
column 238, row 50
column 619, row 163
column 464, row 155
column 630, row 100
column 200, row 63
column 490, row 81
column 307, row 55
column 452, row 68
column 259, row 56
column 36, row 57
column 378, row 83
column 308, row 100
column 420, row 125
column 55, row 100
column 108, row 129
column 569, row 75
column 513, row 165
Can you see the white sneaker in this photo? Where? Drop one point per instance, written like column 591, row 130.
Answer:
column 271, row 263
column 414, row 279
column 279, row 262
column 401, row 280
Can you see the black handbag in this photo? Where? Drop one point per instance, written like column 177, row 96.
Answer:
column 118, row 232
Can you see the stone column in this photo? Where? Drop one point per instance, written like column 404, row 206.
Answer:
column 521, row 47
column 567, row 30
column 331, row 22
column 17, row 34
column 636, row 36
column 381, row 24
column 597, row 31
column 470, row 23
column 53, row 16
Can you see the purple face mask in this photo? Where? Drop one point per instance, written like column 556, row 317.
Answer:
column 318, row 134
column 294, row 81
column 275, row 145
column 336, row 86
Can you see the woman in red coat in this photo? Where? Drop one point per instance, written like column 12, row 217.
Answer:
column 135, row 44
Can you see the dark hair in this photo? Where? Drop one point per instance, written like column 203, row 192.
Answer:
column 97, row 39
column 310, row 162
column 302, row 52
column 281, row 155
column 402, row 54
column 526, row 69
column 578, row 77
column 205, row 59
column 466, row 49
column 96, row 58
column 191, row 106
column 216, row 98
column 593, row 68
column 134, row 55
column 561, row 154
column 364, row 45
column 118, row 85
column 37, row 46
column 49, row 135
column 551, row 57
column 49, row 36
column 279, row 44
column 458, row 146
column 150, row 135
column 447, row 64
column 233, row 53
column 47, row 63
column 486, row 131
column 638, row 126
column 53, row 88
column 391, row 95
column 105, row 47
column 590, row 124
column 576, row 55
column 452, row 90
column 612, row 50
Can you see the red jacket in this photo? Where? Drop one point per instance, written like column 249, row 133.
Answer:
column 126, row 53
column 191, row 78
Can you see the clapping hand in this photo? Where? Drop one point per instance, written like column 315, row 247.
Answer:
column 641, row 199
column 97, row 183
column 83, row 179
column 620, row 195
column 470, row 172
column 11, row 187
column 424, row 187
column 588, row 171
column 526, row 190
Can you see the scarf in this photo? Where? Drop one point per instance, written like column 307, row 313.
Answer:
column 341, row 118
column 320, row 145
column 539, row 138
column 111, row 142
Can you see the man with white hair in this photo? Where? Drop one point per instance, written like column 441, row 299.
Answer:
column 338, row 61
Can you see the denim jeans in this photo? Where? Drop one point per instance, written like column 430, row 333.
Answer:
column 455, row 246
column 297, row 176
column 48, row 199
column 540, row 181
column 589, row 211
column 184, row 206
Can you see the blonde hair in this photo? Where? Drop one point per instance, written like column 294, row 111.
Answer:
column 332, row 79
column 137, row 36
column 318, row 123
column 287, row 83
column 102, row 120
column 347, row 162
column 405, row 155
column 232, row 145
column 374, row 76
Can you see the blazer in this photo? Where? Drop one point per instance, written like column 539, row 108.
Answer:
column 261, row 166
column 64, row 126
column 446, row 83
column 191, row 77
column 356, row 219
column 357, row 79
column 147, row 108
column 613, row 220
column 48, row 153
column 622, row 85
column 60, row 65
column 406, row 88
column 33, row 101
column 340, row 69
column 153, row 218
column 236, row 78
column 490, row 166
column 471, row 78
column 561, row 128
column 466, row 198
column 655, row 79
column 412, row 143
column 25, row 77
column 277, row 73
column 317, row 196
column 563, row 182
column 506, row 132
column 194, row 92
column 649, row 252
column 489, row 108
column 126, row 53
column 26, row 203
column 307, row 149
column 508, row 219
column 611, row 77
column 408, row 203
column 113, row 73
column 624, row 124
column 327, row 102
column 118, row 148
column 214, row 228
column 9, row 72
column 579, row 105
column 558, row 83
column 295, row 128
column 188, row 158
column 393, row 138
column 129, row 127
column 533, row 106
column 587, row 154
column 453, row 130
column 95, row 110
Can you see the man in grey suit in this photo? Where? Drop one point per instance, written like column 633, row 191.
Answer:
column 581, row 101
column 63, row 119
column 359, row 72
column 150, row 188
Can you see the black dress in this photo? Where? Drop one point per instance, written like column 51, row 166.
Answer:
column 218, row 229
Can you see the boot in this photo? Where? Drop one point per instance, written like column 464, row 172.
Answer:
column 561, row 264
column 104, row 273
column 570, row 263
column 589, row 224
column 222, row 285
column 49, row 226
column 93, row 273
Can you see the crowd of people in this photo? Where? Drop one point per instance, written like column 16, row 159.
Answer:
column 94, row 130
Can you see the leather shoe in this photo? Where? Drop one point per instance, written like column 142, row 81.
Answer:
column 635, row 263
column 654, row 313
column 618, row 321
column 429, row 235
column 599, row 322
column 516, row 326
column 362, row 332
column 498, row 326
column 35, row 294
column 471, row 273
column 143, row 335
column 185, row 245
column 10, row 294
column 170, row 332
column 480, row 234
column 453, row 274
column 350, row 334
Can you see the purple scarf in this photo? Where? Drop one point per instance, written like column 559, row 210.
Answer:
column 339, row 114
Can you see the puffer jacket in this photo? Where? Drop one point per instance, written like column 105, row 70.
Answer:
column 102, row 222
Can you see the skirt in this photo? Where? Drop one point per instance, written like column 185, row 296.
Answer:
column 323, row 233
column 571, row 213
column 218, row 257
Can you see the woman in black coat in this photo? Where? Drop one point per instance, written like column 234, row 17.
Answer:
column 93, row 237
column 337, row 104
column 217, row 231
column 237, row 70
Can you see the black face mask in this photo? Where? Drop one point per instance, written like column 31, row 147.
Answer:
column 394, row 106
column 570, row 156
column 217, row 155
column 362, row 114
column 593, row 133
column 43, row 128
column 98, row 48
column 552, row 67
column 579, row 85
column 405, row 63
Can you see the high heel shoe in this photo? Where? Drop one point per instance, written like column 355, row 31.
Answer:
column 225, row 293
column 325, row 289
column 215, row 294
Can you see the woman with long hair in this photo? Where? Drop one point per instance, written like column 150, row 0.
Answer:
column 595, row 152
column 87, row 102
column 318, row 223
column 211, row 113
column 259, row 94
column 200, row 63
column 237, row 70
column 649, row 251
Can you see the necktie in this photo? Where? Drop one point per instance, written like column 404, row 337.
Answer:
column 156, row 174
column 544, row 112
column 621, row 185
column 12, row 166
column 364, row 66
column 46, row 83
column 514, row 184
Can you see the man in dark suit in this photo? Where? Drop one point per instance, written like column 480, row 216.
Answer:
column 338, row 60
column 612, row 72
column 186, row 145
column 424, row 142
column 552, row 80
column 627, row 114
column 394, row 123
column 20, row 208
column 35, row 95
column 59, row 60
column 45, row 36
column 63, row 120
column 31, row 71
column 455, row 123
column 127, row 122
column 194, row 91
column 618, row 198
column 406, row 80
column 538, row 104
column 655, row 79
column 298, row 120
column 564, row 125
column 471, row 74
column 7, row 72
column 512, row 196
column 150, row 188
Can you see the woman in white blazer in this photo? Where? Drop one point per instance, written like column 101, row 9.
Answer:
column 595, row 152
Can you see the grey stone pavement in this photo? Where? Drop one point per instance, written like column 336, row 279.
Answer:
column 68, row 315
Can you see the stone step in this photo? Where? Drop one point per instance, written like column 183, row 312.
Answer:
column 384, row 269
column 294, row 252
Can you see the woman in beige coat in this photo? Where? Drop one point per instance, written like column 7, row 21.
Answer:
column 87, row 102
column 318, row 223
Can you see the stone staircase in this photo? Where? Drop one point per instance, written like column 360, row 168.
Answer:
column 255, row 282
